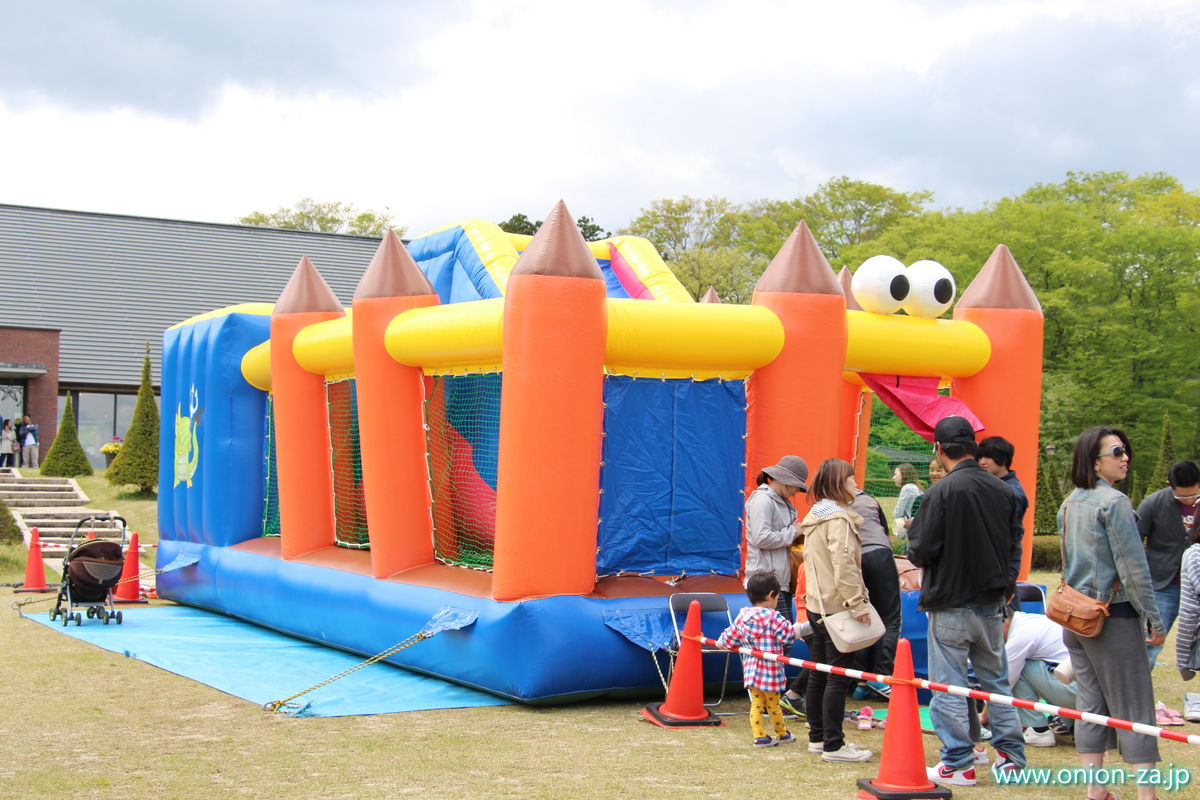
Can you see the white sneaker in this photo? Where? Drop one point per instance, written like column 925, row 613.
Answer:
column 1191, row 706
column 940, row 773
column 981, row 756
column 1039, row 739
column 849, row 752
column 816, row 747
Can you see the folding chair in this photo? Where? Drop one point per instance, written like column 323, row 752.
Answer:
column 710, row 602
column 1031, row 597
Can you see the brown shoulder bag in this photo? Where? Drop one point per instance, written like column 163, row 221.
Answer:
column 1082, row 615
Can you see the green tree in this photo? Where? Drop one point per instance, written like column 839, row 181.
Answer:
column 519, row 223
column 1049, row 496
column 1166, row 457
column 679, row 226
column 66, row 458
column 137, row 461
column 325, row 217
column 841, row 213
column 730, row 272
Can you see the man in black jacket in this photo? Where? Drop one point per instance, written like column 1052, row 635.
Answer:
column 964, row 537
column 1165, row 519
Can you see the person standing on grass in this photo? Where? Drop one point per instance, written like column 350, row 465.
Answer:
column 1165, row 520
column 1104, row 559
column 762, row 627
column 771, row 524
column 906, row 479
column 834, row 584
column 964, row 536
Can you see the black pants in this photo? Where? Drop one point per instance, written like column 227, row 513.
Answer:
column 883, row 590
column 826, row 696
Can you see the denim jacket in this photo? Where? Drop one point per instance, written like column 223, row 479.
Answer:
column 1101, row 542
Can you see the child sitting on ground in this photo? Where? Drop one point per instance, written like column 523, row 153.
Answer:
column 762, row 627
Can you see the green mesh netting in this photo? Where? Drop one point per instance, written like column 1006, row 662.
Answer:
column 349, row 505
column 462, row 415
column 893, row 444
column 270, row 521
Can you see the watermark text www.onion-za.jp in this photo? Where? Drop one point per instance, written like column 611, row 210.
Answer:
column 1168, row 778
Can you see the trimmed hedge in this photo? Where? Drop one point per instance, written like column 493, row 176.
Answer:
column 66, row 458
column 1046, row 554
column 9, row 532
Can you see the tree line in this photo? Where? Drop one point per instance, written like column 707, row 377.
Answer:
column 1114, row 260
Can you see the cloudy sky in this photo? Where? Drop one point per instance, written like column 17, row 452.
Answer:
column 456, row 109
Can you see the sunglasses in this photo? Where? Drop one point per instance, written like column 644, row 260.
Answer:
column 1116, row 451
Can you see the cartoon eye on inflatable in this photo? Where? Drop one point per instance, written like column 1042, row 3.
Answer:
column 880, row 285
column 932, row 289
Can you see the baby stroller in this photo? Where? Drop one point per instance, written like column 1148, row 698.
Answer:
column 90, row 571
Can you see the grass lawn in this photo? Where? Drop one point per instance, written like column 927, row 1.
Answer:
column 80, row 722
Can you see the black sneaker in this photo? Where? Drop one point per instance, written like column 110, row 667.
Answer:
column 1062, row 727
column 793, row 705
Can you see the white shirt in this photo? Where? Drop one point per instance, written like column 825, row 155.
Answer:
column 1033, row 637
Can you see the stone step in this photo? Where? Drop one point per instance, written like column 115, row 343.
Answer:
column 38, row 502
column 12, row 480
column 27, row 494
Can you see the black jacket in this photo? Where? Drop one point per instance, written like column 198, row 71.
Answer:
column 965, row 535
column 1161, row 526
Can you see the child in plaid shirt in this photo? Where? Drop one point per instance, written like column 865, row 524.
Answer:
column 762, row 627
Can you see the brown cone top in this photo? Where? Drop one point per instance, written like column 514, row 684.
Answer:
column 392, row 273
column 844, row 279
column 1000, row 284
column 799, row 267
column 306, row 290
column 711, row 296
column 558, row 248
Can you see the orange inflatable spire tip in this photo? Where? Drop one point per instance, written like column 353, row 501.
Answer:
column 711, row 296
column 1000, row 284
column 392, row 273
column 799, row 267
column 558, row 248
column 306, row 290
column 844, row 279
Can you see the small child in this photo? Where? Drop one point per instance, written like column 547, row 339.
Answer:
column 762, row 627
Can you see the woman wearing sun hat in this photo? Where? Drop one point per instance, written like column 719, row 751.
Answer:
column 771, row 524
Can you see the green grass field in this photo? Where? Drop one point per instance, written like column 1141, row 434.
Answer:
column 80, row 722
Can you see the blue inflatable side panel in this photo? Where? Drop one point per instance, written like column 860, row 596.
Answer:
column 672, row 476
column 550, row 649
column 210, row 471
column 450, row 262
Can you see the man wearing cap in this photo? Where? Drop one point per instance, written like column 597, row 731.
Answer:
column 771, row 524
column 964, row 537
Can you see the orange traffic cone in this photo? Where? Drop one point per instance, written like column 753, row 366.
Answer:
column 128, row 590
column 35, row 571
column 902, row 762
column 684, row 706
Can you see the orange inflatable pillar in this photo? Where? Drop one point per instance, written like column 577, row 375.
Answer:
column 551, row 417
column 391, row 416
column 854, row 405
column 301, row 417
column 1007, row 393
column 794, row 402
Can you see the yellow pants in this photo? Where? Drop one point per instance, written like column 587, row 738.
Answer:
column 762, row 705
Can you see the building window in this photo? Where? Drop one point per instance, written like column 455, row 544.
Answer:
column 100, row 416
column 12, row 399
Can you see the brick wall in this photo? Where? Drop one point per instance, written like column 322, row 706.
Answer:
column 36, row 346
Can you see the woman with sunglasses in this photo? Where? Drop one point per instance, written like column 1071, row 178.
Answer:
column 1104, row 559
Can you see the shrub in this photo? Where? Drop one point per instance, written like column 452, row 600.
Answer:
column 1046, row 554
column 66, row 458
column 137, row 460
column 1049, row 496
column 9, row 532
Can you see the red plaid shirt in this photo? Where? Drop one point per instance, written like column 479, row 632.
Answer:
column 763, row 629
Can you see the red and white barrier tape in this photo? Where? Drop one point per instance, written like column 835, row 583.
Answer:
column 962, row 691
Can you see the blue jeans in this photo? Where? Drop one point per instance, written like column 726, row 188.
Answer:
column 1168, row 609
column 1038, row 683
column 957, row 636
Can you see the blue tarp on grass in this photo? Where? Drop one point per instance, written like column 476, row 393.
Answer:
column 261, row 665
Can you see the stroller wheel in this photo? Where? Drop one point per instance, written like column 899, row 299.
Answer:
column 106, row 616
column 91, row 612
column 78, row 619
column 65, row 619
column 118, row 617
column 53, row 614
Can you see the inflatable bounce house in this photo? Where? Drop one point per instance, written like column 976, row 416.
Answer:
column 547, row 433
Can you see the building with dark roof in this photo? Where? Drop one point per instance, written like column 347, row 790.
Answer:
column 84, row 293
